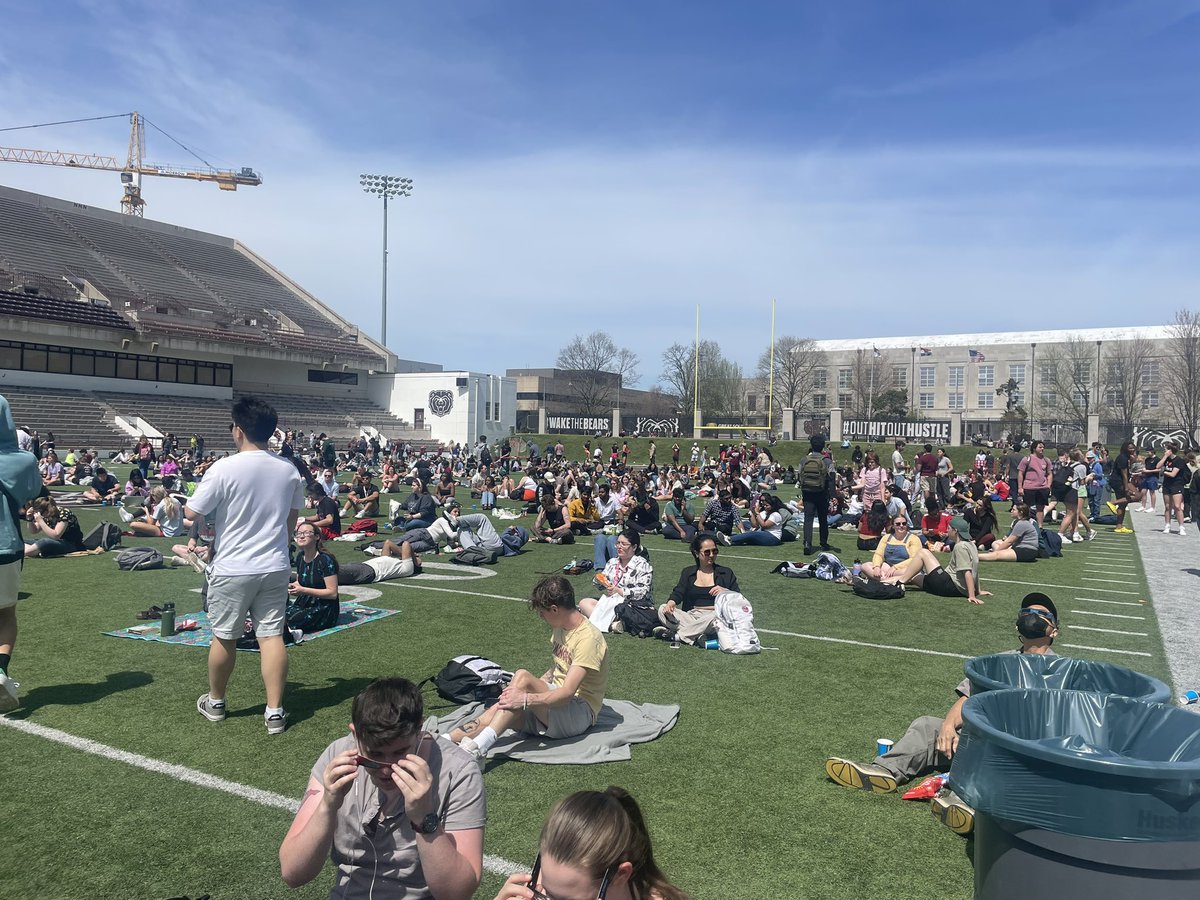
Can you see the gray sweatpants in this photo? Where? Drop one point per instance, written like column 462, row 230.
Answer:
column 688, row 625
column 916, row 753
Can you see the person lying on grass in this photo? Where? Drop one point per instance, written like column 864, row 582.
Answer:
column 399, row 814
column 565, row 701
column 394, row 561
column 929, row 743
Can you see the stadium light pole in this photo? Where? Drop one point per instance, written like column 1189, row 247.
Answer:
column 385, row 186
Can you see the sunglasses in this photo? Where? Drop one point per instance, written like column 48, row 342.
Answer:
column 539, row 894
column 711, row 551
column 367, row 763
column 901, row 523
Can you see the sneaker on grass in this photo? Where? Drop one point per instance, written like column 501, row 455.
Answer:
column 276, row 723
column 8, row 693
column 126, row 515
column 949, row 809
column 875, row 779
column 1121, row 529
column 214, row 712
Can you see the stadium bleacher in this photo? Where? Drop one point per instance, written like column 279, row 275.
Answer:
column 169, row 280
column 78, row 419
column 79, row 312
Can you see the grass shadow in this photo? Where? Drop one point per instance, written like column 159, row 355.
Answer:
column 301, row 701
column 80, row 693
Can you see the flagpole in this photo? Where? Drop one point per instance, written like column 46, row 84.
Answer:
column 871, row 398
column 696, row 376
column 771, row 380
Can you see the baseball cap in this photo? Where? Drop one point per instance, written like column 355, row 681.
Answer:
column 1037, row 598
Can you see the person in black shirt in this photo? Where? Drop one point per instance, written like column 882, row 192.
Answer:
column 688, row 614
column 363, row 497
column 419, row 509
column 103, row 486
column 326, row 517
column 1175, row 475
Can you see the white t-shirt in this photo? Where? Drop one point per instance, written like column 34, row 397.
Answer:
column 249, row 496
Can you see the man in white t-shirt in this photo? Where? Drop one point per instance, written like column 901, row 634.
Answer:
column 252, row 498
column 898, row 466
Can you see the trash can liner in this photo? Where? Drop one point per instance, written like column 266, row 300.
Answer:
column 1081, row 763
column 1035, row 670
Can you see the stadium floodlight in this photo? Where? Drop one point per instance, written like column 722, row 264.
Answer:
column 387, row 186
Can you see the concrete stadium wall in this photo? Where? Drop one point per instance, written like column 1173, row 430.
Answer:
column 465, row 420
column 117, row 385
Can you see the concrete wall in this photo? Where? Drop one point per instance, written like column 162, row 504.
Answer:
column 252, row 374
column 466, row 419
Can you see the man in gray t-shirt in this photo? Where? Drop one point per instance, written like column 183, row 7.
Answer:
column 400, row 813
column 930, row 742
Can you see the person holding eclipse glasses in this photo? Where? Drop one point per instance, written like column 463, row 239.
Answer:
column 399, row 813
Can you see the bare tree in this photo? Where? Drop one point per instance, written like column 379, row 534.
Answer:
column 1125, row 368
column 871, row 378
column 1068, row 377
column 796, row 361
column 720, row 379
column 597, row 368
column 1183, row 370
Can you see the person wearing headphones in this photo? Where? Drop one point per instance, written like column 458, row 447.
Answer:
column 930, row 742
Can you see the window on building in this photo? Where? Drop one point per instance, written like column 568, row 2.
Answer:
column 845, row 378
column 1047, row 373
column 83, row 364
column 186, row 372
column 987, row 376
column 820, row 401
column 1150, row 373
column 10, row 355
column 925, row 400
column 1112, row 398
column 106, row 365
column 845, row 401
column 1016, row 372
column 1149, row 399
column 1083, row 371
column 751, row 402
column 956, row 400
column 487, row 409
column 126, row 367
column 987, row 399
column 331, row 376
column 1048, row 398
column 928, row 376
column 147, row 370
column 1018, row 398
column 820, row 378
column 899, row 376
column 58, row 362
column 1080, row 399
column 957, row 377
column 204, row 374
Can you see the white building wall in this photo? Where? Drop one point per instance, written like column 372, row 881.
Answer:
column 455, row 406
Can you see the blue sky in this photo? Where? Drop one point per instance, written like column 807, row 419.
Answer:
column 877, row 167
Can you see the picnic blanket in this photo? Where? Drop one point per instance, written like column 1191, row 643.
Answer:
column 619, row 725
column 351, row 616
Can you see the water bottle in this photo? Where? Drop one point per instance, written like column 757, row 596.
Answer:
column 168, row 620
column 857, row 568
column 1189, row 698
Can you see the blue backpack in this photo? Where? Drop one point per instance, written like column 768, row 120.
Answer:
column 1049, row 544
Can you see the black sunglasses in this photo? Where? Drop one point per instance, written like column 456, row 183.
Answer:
column 541, row 895
column 711, row 551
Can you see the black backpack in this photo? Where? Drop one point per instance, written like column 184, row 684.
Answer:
column 105, row 536
column 874, row 589
column 470, row 679
column 813, row 474
column 1062, row 476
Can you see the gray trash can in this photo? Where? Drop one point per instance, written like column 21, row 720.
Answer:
column 1081, row 795
column 1036, row 670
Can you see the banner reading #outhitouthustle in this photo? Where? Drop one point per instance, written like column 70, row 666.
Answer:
column 931, row 430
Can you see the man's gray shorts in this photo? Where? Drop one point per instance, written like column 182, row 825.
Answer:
column 572, row 718
column 263, row 596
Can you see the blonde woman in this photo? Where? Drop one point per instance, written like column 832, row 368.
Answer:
column 165, row 518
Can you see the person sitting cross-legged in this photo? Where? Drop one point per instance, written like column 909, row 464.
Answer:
column 929, row 743
column 565, row 701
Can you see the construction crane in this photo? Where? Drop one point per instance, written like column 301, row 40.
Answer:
column 134, row 166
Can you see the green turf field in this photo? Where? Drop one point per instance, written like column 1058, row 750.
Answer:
column 735, row 795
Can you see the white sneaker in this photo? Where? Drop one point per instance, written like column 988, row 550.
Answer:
column 1092, row 535
column 472, row 748
column 1167, row 528
column 1182, row 531
column 8, row 694
column 126, row 515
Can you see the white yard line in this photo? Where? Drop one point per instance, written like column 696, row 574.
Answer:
column 1085, row 612
column 1111, row 580
column 1109, row 630
column 1107, row 650
column 1058, row 587
column 1110, row 602
column 493, row 864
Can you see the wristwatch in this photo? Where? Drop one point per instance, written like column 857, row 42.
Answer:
column 427, row 825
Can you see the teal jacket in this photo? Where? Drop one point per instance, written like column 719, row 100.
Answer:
column 20, row 478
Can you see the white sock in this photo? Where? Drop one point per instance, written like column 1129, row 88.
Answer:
column 273, row 711
column 485, row 739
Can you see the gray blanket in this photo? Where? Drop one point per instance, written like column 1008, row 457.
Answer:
column 619, row 724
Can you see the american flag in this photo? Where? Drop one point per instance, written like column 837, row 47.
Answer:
column 875, row 350
column 925, row 351
column 977, row 356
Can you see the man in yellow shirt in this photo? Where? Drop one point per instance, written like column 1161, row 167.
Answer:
column 565, row 701
column 585, row 516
